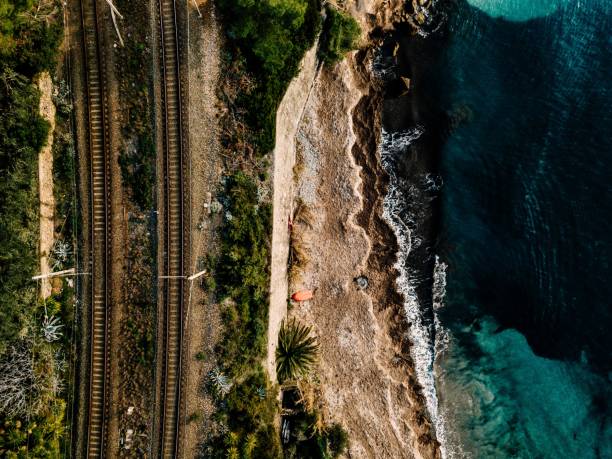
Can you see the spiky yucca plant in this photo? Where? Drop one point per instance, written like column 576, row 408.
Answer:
column 296, row 351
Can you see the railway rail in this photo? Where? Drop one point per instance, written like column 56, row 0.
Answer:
column 175, row 236
column 100, row 230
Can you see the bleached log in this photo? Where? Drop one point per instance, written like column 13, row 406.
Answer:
column 195, row 3
column 116, row 28
column 115, row 11
column 114, row 8
column 65, row 272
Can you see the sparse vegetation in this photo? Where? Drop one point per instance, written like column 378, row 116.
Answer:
column 296, row 351
column 298, row 247
column 137, row 169
column 137, row 159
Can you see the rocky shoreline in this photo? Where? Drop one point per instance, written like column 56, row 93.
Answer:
column 365, row 377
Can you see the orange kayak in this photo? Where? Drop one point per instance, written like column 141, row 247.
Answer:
column 302, row 295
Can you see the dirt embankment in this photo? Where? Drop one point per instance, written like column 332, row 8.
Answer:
column 45, row 182
column 288, row 118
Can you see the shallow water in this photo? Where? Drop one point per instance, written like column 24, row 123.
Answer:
column 521, row 339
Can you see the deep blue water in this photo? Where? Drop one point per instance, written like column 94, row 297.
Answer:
column 525, row 228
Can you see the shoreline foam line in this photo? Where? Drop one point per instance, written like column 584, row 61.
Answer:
column 423, row 348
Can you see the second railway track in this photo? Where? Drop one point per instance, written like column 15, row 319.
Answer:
column 100, row 230
column 175, row 236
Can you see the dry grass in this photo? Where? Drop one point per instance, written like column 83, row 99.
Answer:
column 298, row 257
column 308, row 396
column 298, row 169
column 299, row 249
column 303, row 214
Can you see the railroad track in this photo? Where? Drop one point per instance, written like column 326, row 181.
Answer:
column 175, row 236
column 99, row 161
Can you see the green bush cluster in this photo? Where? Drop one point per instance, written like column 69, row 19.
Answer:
column 273, row 36
column 339, row 36
column 39, row 437
column 22, row 134
column 249, row 418
column 29, row 38
column 305, row 440
column 243, row 275
column 242, row 272
column 27, row 44
column 26, row 47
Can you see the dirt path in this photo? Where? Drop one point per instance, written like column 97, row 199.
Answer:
column 288, row 118
column 45, row 182
column 202, row 320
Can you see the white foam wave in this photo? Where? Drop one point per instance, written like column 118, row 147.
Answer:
column 427, row 19
column 424, row 350
column 383, row 67
column 442, row 335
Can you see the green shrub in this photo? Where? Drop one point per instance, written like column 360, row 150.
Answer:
column 306, row 440
column 249, row 418
column 337, row 440
column 137, row 171
column 194, row 417
column 243, row 275
column 296, row 351
column 22, row 134
column 340, row 33
column 27, row 46
column 39, row 437
column 273, row 35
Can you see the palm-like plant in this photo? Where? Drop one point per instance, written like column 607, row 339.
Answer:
column 296, row 351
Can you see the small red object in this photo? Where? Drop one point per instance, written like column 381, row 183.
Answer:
column 302, row 295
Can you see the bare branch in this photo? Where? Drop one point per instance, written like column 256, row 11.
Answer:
column 18, row 382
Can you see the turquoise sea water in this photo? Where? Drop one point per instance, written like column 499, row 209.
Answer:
column 525, row 367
